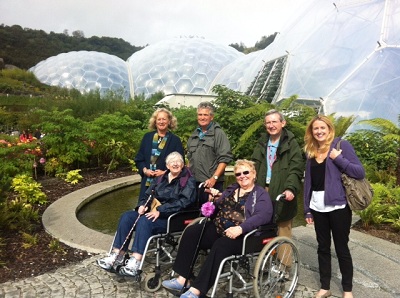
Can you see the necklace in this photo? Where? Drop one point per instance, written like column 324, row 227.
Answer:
column 320, row 153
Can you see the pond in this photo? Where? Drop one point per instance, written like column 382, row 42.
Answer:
column 102, row 214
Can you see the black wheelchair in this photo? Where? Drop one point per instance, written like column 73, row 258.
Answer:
column 268, row 265
column 161, row 248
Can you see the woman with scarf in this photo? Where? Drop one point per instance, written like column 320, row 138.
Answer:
column 155, row 147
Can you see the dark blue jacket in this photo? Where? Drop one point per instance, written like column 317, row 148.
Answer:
column 142, row 159
column 346, row 162
column 258, row 207
column 175, row 196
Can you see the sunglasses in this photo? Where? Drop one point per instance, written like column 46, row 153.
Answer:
column 244, row 173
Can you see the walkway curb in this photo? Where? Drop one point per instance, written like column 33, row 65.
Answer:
column 60, row 221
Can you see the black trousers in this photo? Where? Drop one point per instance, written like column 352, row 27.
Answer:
column 220, row 248
column 337, row 222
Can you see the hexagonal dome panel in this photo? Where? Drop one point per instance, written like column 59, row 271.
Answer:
column 186, row 65
column 84, row 71
column 342, row 56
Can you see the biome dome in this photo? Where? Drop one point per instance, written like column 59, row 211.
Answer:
column 179, row 65
column 84, row 71
column 342, row 57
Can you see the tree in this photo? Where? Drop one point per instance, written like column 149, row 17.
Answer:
column 78, row 34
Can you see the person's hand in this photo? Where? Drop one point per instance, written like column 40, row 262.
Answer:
column 209, row 183
column 142, row 210
column 233, row 232
column 309, row 221
column 288, row 195
column 153, row 215
column 335, row 153
column 158, row 173
column 213, row 193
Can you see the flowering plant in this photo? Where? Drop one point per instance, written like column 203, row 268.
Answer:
column 207, row 209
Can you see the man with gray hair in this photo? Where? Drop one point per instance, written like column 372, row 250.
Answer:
column 209, row 151
column 280, row 168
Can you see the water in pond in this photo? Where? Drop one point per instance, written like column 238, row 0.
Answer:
column 102, row 214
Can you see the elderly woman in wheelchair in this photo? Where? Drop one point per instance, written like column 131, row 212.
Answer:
column 170, row 193
column 241, row 208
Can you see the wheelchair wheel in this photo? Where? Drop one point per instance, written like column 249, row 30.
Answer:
column 276, row 269
column 152, row 283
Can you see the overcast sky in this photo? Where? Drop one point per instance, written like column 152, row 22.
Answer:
column 147, row 22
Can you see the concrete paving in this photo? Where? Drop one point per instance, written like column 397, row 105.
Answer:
column 376, row 261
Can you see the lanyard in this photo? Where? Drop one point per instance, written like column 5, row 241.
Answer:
column 271, row 159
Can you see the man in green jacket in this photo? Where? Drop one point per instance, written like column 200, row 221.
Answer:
column 280, row 168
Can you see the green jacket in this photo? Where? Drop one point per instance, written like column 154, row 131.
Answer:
column 287, row 171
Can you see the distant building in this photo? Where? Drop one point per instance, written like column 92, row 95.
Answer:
column 184, row 100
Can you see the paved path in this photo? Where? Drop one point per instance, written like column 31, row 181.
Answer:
column 376, row 264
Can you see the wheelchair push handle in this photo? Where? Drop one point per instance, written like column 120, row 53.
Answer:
column 281, row 197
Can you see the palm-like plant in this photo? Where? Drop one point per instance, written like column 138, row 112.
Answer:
column 389, row 132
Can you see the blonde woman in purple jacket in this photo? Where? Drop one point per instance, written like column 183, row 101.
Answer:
column 325, row 203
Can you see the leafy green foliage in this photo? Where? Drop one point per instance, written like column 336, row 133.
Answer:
column 375, row 151
column 385, row 207
column 24, row 47
column 28, row 190
column 65, row 139
column 55, row 246
column 29, row 240
column 114, row 138
column 15, row 159
column 72, row 177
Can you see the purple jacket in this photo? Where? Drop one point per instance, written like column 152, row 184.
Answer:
column 346, row 162
column 258, row 207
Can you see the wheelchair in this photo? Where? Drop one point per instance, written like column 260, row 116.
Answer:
column 161, row 248
column 268, row 265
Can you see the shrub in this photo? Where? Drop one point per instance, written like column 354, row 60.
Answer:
column 72, row 177
column 28, row 190
column 385, row 207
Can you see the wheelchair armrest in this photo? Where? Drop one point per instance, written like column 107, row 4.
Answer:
column 179, row 220
column 255, row 240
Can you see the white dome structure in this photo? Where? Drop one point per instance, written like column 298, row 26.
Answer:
column 179, row 65
column 343, row 57
column 84, row 71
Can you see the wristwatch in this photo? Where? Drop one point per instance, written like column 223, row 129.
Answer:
column 215, row 177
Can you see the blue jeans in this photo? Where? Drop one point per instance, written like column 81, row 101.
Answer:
column 144, row 229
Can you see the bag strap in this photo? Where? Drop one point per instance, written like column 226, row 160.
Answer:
column 338, row 144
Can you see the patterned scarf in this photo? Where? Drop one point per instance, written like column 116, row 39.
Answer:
column 158, row 145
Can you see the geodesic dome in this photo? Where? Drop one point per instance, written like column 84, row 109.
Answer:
column 342, row 56
column 180, row 65
column 84, row 71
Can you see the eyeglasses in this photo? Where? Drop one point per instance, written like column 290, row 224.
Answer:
column 244, row 173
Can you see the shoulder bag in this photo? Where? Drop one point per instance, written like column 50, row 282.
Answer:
column 359, row 192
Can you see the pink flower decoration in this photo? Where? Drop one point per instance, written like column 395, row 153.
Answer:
column 42, row 160
column 207, row 209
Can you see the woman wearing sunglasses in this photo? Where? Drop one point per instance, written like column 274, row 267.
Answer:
column 241, row 208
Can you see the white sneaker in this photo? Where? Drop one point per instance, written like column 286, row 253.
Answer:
column 107, row 262
column 131, row 267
